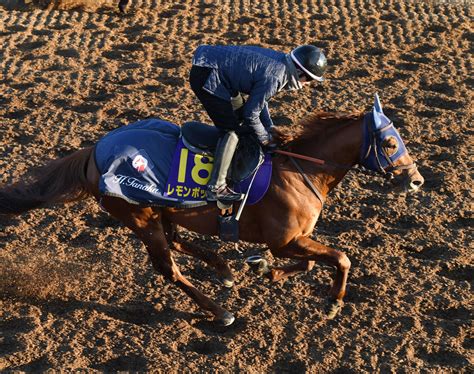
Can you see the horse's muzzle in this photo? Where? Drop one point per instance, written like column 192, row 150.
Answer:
column 411, row 180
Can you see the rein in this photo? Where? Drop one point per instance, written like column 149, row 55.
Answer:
column 316, row 161
column 371, row 150
column 324, row 163
column 372, row 147
column 321, row 163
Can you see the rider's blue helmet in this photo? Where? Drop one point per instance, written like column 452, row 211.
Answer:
column 310, row 60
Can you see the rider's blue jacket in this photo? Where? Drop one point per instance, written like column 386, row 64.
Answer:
column 258, row 72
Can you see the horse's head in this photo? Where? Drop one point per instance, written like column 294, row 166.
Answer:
column 383, row 151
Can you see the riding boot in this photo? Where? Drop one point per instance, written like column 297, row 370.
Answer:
column 217, row 188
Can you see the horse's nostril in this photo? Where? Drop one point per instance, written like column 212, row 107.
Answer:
column 416, row 184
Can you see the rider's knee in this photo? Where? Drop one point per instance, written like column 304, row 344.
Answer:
column 232, row 136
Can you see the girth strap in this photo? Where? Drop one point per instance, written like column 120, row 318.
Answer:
column 312, row 187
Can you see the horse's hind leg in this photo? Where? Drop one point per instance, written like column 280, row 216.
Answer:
column 209, row 257
column 163, row 261
column 146, row 223
column 283, row 272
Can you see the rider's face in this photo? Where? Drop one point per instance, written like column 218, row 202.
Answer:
column 304, row 80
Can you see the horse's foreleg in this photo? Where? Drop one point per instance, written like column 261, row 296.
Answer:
column 146, row 223
column 306, row 249
column 209, row 257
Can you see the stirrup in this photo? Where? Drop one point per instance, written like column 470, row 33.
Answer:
column 223, row 194
column 227, row 194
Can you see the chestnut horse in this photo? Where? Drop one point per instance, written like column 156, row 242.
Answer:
column 284, row 219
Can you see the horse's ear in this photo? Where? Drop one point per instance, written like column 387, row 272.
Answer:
column 377, row 119
column 377, row 104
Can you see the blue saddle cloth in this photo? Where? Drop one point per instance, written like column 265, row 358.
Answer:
column 147, row 163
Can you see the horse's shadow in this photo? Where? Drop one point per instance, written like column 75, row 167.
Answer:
column 135, row 312
column 138, row 312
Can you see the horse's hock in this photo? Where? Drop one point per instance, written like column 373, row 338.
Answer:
column 58, row 4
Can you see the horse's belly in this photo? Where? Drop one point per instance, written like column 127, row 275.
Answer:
column 202, row 220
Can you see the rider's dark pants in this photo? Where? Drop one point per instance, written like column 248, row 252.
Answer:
column 219, row 110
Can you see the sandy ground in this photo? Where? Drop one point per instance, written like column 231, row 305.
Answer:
column 77, row 290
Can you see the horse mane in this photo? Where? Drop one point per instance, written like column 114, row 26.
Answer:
column 312, row 126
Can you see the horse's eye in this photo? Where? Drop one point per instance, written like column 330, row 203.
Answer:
column 390, row 144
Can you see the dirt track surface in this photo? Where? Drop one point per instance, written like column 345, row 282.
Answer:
column 77, row 290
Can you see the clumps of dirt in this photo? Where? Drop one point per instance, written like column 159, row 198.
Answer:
column 39, row 278
column 90, row 5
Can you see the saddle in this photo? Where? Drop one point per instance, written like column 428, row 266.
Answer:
column 202, row 139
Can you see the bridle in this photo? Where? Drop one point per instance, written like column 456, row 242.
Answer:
column 375, row 157
column 374, row 160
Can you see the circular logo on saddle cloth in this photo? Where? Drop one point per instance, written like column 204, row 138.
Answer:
column 140, row 163
column 390, row 145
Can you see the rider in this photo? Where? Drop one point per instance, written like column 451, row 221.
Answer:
column 218, row 77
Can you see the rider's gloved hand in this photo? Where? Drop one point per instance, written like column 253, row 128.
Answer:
column 269, row 145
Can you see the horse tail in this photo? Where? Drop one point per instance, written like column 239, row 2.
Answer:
column 60, row 181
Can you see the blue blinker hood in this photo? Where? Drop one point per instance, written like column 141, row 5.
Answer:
column 378, row 127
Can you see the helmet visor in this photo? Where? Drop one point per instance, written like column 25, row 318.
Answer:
column 306, row 71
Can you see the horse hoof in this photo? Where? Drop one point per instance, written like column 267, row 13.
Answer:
column 258, row 264
column 228, row 283
column 226, row 320
column 334, row 308
column 253, row 259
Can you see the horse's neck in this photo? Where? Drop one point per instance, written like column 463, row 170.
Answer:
column 340, row 147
